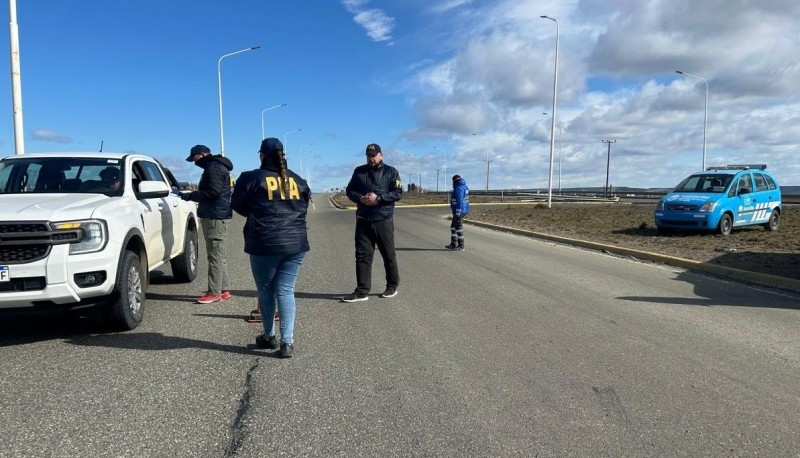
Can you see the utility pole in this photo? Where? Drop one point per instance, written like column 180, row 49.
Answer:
column 608, row 165
column 437, row 180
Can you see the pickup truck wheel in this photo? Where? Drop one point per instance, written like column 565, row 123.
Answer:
column 126, row 308
column 774, row 221
column 184, row 267
column 725, row 224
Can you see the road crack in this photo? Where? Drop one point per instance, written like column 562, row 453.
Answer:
column 239, row 430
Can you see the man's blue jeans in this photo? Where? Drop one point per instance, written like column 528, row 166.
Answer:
column 275, row 277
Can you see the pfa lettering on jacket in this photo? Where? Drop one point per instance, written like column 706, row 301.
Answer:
column 274, row 184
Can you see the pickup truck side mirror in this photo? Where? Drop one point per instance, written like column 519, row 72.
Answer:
column 153, row 189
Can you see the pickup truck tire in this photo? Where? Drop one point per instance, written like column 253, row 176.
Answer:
column 126, row 306
column 184, row 267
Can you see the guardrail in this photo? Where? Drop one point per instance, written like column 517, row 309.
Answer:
column 518, row 195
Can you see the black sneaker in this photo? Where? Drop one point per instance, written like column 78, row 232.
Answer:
column 355, row 297
column 270, row 343
column 458, row 248
column 452, row 246
column 286, row 351
column 390, row 292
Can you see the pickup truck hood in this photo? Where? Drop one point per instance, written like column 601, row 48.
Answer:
column 692, row 198
column 50, row 207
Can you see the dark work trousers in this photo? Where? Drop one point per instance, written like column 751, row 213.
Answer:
column 369, row 234
column 457, row 231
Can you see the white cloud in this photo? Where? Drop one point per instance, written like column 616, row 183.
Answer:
column 50, row 136
column 376, row 22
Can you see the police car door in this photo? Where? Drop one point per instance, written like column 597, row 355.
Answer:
column 745, row 204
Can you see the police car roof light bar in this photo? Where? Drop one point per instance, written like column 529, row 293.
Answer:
column 739, row 167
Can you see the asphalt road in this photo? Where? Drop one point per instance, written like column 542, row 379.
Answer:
column 513, row 347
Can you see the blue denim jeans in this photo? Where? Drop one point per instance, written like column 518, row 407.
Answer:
column 275, row 277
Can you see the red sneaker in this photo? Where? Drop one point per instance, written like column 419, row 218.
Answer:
column 225, row 295
column 208, row 298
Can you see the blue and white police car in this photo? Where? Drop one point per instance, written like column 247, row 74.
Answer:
column 721, row 198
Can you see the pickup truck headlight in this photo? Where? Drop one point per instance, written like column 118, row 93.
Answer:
column 707, row 207
column 95, row 235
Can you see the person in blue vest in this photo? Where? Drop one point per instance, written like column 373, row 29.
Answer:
column 275, row 202
column 459, row 206
column 213, row 197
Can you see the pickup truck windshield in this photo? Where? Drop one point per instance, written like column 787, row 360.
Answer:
column 61, row 175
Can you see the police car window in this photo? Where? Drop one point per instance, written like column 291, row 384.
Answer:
column 745, row 182
column 761, row 183
column 770, row 182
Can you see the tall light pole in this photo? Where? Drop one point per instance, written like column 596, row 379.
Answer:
column 262, row 116
column 608, row 164
column 285, row 145
column 445, row 163
column 705, row 112
column 16, row 80
column 301, row 157
column 560, row 138
column 486, row 142
column 553, row 122
column 219, row 89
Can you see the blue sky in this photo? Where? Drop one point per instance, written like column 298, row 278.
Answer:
column 429, row 80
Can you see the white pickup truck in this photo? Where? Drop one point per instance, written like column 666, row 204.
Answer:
column 79, row 230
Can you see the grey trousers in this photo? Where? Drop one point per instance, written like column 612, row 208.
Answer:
column 214, row 231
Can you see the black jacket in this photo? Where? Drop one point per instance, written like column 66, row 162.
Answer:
column 213, row 195
column 276, row 224
column 384, row 181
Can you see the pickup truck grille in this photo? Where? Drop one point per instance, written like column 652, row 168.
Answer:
column 23, row 284
column 22, row 242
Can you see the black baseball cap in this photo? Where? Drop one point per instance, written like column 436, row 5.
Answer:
column 373, row 149
column 197, row 150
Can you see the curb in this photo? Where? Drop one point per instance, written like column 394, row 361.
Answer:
column 775, row 281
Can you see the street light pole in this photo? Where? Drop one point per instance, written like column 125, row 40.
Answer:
column 486, row 144
column 560, row 139
column 445, row 163
column 608, row 165
column 262, row 116
column 553, row 122
column 219, row 89
column 301, row 157
column 285, row 145
column 705, row 112
column 16, row 80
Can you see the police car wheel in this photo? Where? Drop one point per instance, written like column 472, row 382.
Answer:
column 774, row 221
column 725, row 224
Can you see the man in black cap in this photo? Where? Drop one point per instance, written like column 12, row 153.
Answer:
column 374, row 187
column 213, row 197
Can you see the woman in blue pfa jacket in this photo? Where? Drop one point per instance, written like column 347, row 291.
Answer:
column 459, row 206
column 275, row 201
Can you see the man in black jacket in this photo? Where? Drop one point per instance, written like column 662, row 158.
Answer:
column 374, row 187
column 213, row 197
